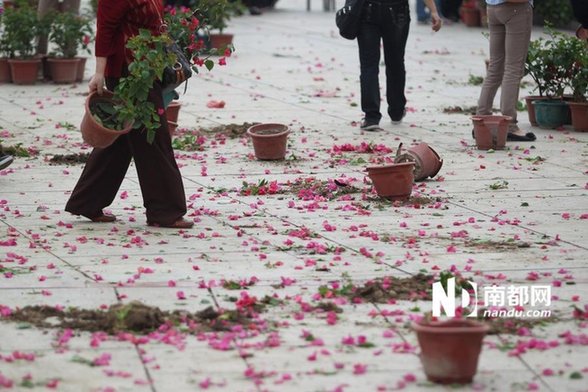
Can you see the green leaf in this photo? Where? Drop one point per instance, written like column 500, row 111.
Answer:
column 209, row 64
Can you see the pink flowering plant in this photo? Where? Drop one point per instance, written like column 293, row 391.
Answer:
column 151, row 57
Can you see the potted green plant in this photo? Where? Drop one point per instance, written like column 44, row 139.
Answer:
column 128, row 106
column 20, row 33
column 552, row 61
column 578, row 82
column 217, row 14
column 68, row 33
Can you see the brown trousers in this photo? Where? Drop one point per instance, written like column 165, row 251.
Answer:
column 510, row 27
column 159, row 176
column 46, row 6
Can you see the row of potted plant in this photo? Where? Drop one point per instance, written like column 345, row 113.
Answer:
column 20, row 29
column 559, row 66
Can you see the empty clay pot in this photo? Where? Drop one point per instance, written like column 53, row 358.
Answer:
column 490, row 131
column 450, row 349
column 172, row 112
column 427, row 162
column 393, row 182
column 269, row 141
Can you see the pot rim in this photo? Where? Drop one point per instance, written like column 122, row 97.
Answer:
column 445, row 326
column 285, row 130
column 108, row 95
column 490, row 117
column 389, row 166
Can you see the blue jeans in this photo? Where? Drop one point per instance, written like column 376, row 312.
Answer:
column 423, row 15
column 386, row 21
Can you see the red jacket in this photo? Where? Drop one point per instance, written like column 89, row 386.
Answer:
column 118, row 20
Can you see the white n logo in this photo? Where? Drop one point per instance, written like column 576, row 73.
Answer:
column 447, row 299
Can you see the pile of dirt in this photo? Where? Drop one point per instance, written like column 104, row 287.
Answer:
column 460, row 110
column 506, row 245
column 69, row 159
column 383, row 290
column 133, row 317
column 230, row 130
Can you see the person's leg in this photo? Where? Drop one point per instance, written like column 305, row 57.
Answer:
column 368, row 41
column 44, row 7
column 422, row 15
column 495, row 71
column 159, row 176
column 101, row 178
column 395, row 26
column 518, row 20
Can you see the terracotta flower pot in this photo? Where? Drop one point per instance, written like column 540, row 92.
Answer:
column 94, row 133
column 63, row 71
column 5, row 76
column 269, row 141
column 220, row 41
column 172, row 126
column 24, row 71
column 579, row 116
column 393, row 182
column 427, row 162
column 551, row 113
column 470, row 16
column 81, row 69
column 172, row 111
column 490, row 131
column 450, row 349
column 531, row 109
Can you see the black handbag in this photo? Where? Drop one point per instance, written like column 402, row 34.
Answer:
column 348, row 18
column 175, row 75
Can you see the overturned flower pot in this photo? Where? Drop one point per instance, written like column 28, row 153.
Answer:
column 450, row 349
column 490, row 131
column 269, row 141
column 427, row 162
column 393, row 182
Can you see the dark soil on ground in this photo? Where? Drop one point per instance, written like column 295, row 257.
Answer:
column 417, row 287
column 69, row 159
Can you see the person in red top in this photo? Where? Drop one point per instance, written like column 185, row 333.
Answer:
column 159, row 177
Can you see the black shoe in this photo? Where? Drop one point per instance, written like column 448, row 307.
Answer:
column 5, row 161
column 369, row 125
column 528, row 137
column 398, row 120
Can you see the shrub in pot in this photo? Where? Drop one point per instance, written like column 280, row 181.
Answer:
column 217, row 14
column 68, row 33
column 21, row 31
column 578, row 82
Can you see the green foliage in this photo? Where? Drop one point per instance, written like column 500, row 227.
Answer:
column 558, row 62
column 217, row 13
column 69, row 32
column 556, row 13
column 20, row 32
column 475, row 80
column 131, row 94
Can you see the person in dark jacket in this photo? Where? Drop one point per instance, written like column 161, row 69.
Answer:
column 581, row 13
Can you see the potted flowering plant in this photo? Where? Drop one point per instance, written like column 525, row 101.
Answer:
column 19, row 36
column 578, row 82
column 69, row 33
column 129, row 103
